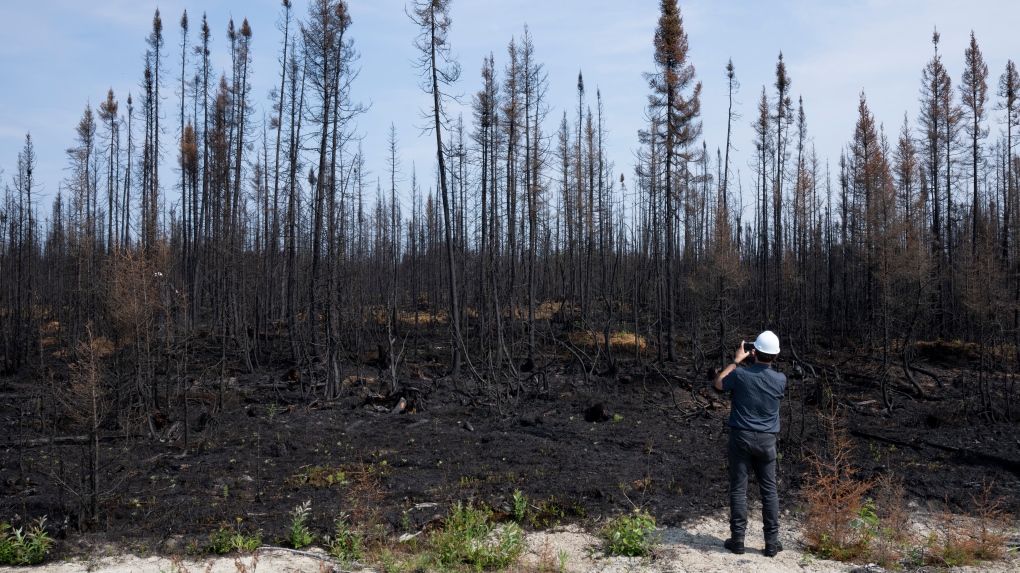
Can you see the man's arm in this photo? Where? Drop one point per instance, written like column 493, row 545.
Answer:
column 739, row 356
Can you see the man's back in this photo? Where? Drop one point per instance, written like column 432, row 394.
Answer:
column 756, row 392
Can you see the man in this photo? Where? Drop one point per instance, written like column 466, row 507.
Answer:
column 755, row 393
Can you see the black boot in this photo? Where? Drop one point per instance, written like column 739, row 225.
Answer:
column 734, row 545
column 771, row 549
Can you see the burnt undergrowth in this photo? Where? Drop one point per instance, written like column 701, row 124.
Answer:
column 394, row 458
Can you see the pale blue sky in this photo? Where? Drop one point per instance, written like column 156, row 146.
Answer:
column 57, row 55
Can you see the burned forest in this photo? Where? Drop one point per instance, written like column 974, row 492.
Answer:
column 220, row 314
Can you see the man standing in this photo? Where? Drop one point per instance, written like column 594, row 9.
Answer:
column 754, row 424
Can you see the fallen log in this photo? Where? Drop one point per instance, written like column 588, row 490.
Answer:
column 1005, row 463
column 65, row 441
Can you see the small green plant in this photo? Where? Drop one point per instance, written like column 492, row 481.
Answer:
column 245, row 543
column 520, row 505
column 219, row 541
column 20, row 547
column 387, row 562
column 547, row 514
column 867, row 521
column 578, row 509
column 561, row 560
column 470, row 537
column 876, row 452
column 338, row 477
column 299, row 535
column 630, row 535
column 953, row 555
column 224, row 540
column 345, row 544
column 320, row 476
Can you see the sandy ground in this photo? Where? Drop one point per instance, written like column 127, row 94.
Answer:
column 694, row 547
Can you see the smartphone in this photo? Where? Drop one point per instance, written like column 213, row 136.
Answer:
column 748, row 346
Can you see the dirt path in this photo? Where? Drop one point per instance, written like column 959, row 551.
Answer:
column 694, row 547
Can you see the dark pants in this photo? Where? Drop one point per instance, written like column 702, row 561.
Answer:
column 753, row 451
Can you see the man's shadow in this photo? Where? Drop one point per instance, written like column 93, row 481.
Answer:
column 707, row 542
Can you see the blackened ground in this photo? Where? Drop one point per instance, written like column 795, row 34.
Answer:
column 658, row 442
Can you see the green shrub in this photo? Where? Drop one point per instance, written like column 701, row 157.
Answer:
column 520, row 505
column 20, row 547
column 630, row 535
column 345, row 544
column 471, row 537
column 219, row 541
column 299, row 535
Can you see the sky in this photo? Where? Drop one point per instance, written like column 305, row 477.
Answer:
column 56, row 56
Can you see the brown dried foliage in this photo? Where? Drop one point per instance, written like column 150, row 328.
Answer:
column 960, row 540
column 852, row 519
column 895, row 533
column 836, row 499
column 134, row 295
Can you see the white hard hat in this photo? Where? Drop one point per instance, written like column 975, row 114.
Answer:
column 767, row 342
